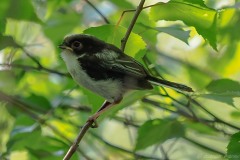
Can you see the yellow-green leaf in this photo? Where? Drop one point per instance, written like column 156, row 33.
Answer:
column 192, row 13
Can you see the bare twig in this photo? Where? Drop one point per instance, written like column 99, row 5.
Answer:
column 138, row 11
column 26, row 67
column 204, row 146
column 123, row 149
column 100, row 13
column 186, row 138
column 185, row 114
column 215, row 117
column 133, row 10
column 74, row 146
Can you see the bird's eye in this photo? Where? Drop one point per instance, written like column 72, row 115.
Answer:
column 77, row 45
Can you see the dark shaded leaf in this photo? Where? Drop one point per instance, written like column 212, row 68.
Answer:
column 223, row 90
column 20, row 10
column 7, row 41
column 157, row 131
column 233, row 147
column 23, row 136
column 224, row 86
column 38, row 102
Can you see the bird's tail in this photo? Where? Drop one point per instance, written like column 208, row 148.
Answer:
column 173, row 85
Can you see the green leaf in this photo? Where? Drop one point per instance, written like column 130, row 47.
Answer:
column 175, row 31
column 123, row 4
column 20, row 10
column 48, row 148
column 114, row 34
column 38, row 102
column 224, row 86
column 7, row 41
column 129, row 99
column 235, row 114
column 233, row 147
column 23, row 136
column 60, row 23
column 157, row 131
column 199, row 128
column 192, row 13
column 223, row 90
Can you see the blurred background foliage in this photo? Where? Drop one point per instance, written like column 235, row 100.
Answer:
column 191, row 42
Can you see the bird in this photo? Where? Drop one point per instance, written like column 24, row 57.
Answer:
column 107, row 71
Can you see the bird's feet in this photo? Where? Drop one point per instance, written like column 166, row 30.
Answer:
column 93, row 120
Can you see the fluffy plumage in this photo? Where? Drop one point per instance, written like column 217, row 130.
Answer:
column 105, row 69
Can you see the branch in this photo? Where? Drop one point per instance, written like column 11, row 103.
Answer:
column 186, row 115
column 74, row 146
column 138, row 11
column 133, row 10
column 215, row 117
column 26, row 67
column 141, row 156
column 188, row 139
column 100, row 13
column 204, row 146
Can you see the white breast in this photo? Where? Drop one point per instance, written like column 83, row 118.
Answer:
column 110, row 89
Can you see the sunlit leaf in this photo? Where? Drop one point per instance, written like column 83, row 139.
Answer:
column 114, row 34
column 233, row 147
column 157, row 131
column 235, row 114
column 192, row 13
column 123, row 3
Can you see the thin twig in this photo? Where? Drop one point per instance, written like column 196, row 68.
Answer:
column 133, row 10
column 138, row 11
column 164, row 153
column 100, row 13
column 204, row 146
column 74, row 146
column 123, row 149
column 184, row 114
column 189, row 139
column 26, row 67
column 215, row 117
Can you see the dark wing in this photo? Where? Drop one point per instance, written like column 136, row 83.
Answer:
column 131, row 72
column 126, row 65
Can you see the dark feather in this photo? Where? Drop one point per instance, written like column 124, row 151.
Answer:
column 123, row 68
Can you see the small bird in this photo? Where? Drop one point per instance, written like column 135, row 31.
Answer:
column 104, row 69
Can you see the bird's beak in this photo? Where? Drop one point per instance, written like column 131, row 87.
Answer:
column 62, row 46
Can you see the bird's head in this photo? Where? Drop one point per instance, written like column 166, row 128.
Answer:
column 78, row 44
